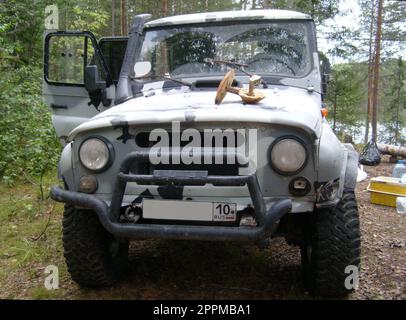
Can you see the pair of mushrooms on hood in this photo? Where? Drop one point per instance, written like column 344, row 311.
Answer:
column 249, row 96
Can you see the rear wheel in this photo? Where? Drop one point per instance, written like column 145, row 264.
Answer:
column 93, row 256
column 331, row 252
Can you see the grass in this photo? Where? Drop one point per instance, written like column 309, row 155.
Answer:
column 29, row 238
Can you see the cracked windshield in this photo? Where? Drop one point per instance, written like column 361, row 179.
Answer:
column 267, row 49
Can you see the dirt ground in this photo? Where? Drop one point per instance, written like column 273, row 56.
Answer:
column 383, row 245
column 203, row 270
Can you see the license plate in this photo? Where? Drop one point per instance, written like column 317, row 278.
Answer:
column 224, row 211
column 189, row 210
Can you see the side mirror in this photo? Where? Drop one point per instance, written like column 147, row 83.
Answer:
column 95, row 86
column 325, row 79
column 142, row 69
column 325, row 69
column 92, row 80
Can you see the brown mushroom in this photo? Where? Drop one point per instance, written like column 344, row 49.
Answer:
column 250, row 99
column 224, row 86
column 250, row 96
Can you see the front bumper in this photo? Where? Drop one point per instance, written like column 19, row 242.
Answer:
column 266, row 215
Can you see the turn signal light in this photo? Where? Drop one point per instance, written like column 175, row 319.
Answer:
column 88, row 184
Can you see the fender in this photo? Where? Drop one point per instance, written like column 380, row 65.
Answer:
column 338, row 168
column 351, row 170
column 65, row 168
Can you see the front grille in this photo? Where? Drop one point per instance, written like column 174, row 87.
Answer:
column 212, row 169
column 224, row 169
column 142, row 139
column 236, row 139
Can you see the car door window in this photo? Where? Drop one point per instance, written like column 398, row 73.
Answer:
column 66, row 60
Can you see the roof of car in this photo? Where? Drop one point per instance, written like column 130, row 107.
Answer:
column 228, row 16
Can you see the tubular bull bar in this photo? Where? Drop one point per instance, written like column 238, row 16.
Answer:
column 266, row 215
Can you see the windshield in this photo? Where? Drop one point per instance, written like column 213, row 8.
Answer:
column 278, row 49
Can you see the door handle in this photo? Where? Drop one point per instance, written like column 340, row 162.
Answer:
column 59, row 106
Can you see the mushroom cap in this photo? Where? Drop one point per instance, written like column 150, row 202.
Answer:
column 255, row 98
column 224, row 85
column 255, row 78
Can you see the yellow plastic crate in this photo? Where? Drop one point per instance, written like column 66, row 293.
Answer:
column 385, row 190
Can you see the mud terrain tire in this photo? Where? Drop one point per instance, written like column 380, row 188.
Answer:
column 333, row 244
column 93, row 256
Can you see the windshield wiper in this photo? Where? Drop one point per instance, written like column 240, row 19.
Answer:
column 168, row 78
column 237, row 65
column 227, row 63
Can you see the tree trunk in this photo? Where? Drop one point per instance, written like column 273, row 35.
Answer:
column 123, row 10
column 335, row 113
column 113, row 17
column 267, row 4
column 370, row 72
column 348, row 139
column 165, row 8
column 164, row 48
column 399, row 87
column 392, row 150
column 376, row 72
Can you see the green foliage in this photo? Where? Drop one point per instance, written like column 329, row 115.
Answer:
column 394, row 99
column 90, row 15
column 320, row 10
column 21, row 28
column 175, row 7
column 393, row 31
column 28, row 145
column 344, row 98
column 348, row 92
column 344, row 46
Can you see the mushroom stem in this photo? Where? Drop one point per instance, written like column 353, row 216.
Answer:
column 233, row 90
column 254, row 81
column 251, row 89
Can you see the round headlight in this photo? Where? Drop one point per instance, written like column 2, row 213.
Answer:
column 95, row 154
column 288, row 156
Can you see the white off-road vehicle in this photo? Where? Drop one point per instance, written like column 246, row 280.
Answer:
column 200, row 127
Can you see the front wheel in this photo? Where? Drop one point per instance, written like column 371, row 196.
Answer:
column 331, row 252
column 93, row 256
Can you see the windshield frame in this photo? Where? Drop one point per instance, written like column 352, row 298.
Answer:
column 307, row 23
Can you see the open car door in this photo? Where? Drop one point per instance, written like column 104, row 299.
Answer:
column 78, row 83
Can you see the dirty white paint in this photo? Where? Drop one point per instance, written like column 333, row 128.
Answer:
column 286, row 106
column 229, row 15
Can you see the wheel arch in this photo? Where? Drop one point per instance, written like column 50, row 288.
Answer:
column 65, row 168
column 351, row 170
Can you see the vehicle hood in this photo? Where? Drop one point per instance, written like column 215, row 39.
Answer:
column 283, row 106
